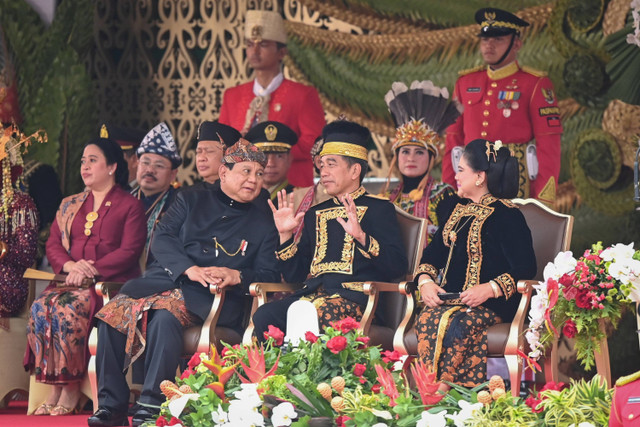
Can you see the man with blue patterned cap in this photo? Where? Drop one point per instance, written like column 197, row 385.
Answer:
column 213, row 236
column 511, row 103
column 158, row 161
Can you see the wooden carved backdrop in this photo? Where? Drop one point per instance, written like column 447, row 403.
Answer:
column 171, row 60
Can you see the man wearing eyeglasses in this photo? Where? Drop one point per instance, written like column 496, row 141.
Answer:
column 271, row 97
column 158, row 161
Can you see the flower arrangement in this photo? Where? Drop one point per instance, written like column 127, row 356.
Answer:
column 332, row 379
column 578, row 295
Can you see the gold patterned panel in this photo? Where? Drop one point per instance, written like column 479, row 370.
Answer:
column 345, row 265
column 161, row 60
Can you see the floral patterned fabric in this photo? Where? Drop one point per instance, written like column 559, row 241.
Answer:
column 129, row 316
column 462, row 360
column 60, row 320
column 333, row 308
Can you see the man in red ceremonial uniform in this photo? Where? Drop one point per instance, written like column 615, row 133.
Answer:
column 511, row 103
column 272, row 97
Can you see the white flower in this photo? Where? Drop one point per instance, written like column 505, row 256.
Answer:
column 467, row 410
column 563, row 263
column 248, row 395
column 243, row 414
column 283, row 414
column 432, row 420
column 618, row 252
column 634, row 295
column 400, row 363
column 583, row 424
column 220, row 417
column 176, row 406
column 380, row 425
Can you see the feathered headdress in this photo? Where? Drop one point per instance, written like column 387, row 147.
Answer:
column 421, row 113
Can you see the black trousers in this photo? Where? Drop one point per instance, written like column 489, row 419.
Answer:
column 273, row 313
column 163, row 351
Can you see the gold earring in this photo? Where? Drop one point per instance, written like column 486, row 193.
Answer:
column 478, row 183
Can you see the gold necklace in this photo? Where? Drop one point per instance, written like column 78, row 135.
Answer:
column 243, row 247
column 453, row 236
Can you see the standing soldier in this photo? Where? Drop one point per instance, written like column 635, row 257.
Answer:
column 508, row 102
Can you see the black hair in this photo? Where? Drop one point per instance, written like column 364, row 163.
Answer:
column 501, row 167
column 281, row 45
column 363, row 165
column 113, row 154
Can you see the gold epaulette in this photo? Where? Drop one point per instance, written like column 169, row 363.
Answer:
column 378, row 196
column 628, row 379
column 471, row 70
column 533, row 71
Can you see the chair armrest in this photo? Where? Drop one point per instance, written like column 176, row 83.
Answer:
column 372, row 290
column 108, row 290
column 212, row 318
column 258, row 291
column 515, row 339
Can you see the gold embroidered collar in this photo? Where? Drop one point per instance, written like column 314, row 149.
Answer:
column 503, row 72
column 359, row 192
column 487, row 199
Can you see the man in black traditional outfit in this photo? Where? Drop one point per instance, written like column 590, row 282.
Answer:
column 347, row 240
column 212, row 236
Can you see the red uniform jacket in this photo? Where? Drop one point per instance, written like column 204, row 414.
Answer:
column 625, row 405
column 294, row 104
column 514, row 105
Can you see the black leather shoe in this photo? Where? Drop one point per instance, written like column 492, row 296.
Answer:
column 105, row 417
column 143, row 414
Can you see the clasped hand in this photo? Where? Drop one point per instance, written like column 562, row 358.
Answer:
column 221, row 276
column 472, row 297
column 78, row 271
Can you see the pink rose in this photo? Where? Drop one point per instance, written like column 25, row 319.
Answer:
column 186, row 374
column 364, row 341
column 310, row 336
column 359, row 369
column 337, row 344
column 583, row 300
column 276, row 334
column 391, row 356
column 569, row 329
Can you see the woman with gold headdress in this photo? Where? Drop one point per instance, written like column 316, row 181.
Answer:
column 98, row 234
column 18, row 228
column 421, row 113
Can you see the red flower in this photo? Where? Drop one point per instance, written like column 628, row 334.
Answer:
column 194, row 361
column 566, row 280
column 186, row 374
column 310, row 336
column 341, row 420
column 391, row 356
column 359, row 369
column 375, row 388
column 583, row 300
column 533, row 403
column 161, row 421
column 345, row 325
column 174, row 421
column 276, row 334
column 364, row 341
column 337, row 344
column 570, row 292
column 569, row 329
column 554, row 386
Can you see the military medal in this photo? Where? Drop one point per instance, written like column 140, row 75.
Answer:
column 277, row 107
column 506, row 112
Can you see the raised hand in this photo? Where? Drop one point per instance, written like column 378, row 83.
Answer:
column 284, row 216
column 351, row 225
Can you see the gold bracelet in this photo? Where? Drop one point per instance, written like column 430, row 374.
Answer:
column 495, row 288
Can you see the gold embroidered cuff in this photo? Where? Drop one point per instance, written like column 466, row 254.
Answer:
column 507, row 284
column 374, row 247
column 353, row 286
column 288, row 252
column 427, row 269
column 364, row 254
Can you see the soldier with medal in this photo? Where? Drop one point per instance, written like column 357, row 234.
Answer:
column 505, row 101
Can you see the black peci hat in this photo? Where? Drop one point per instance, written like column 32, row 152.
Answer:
column 497, row 22
column 215, row 131
column 272, row 137
column 346, row 138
